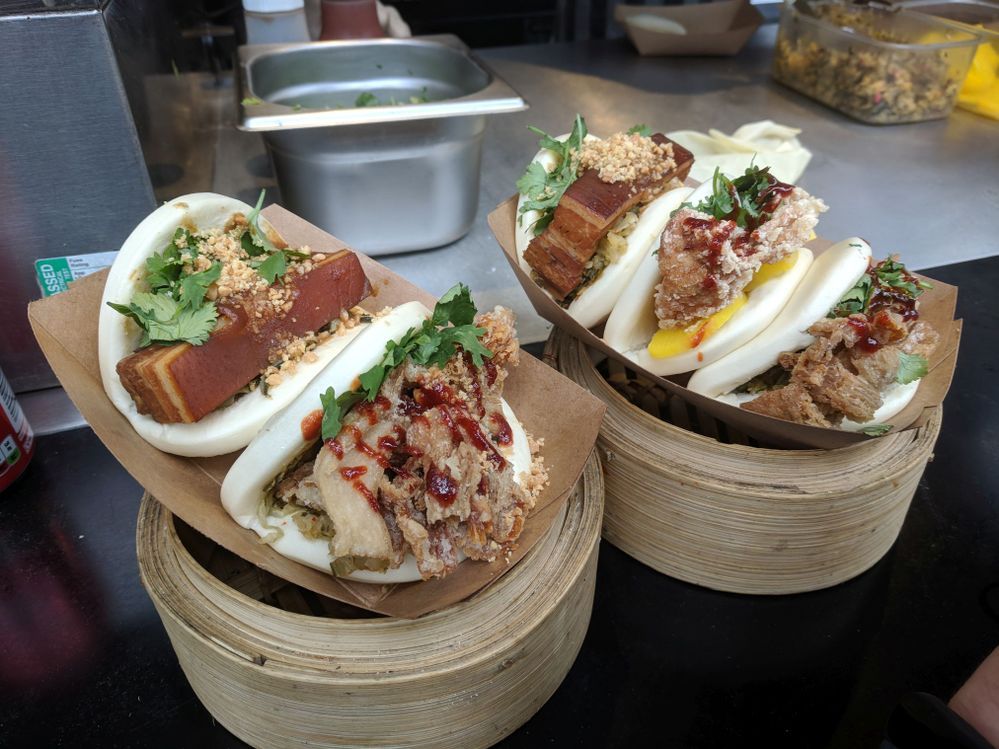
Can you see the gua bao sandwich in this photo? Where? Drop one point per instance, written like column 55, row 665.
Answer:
column 401, row 458
column 847, row 351
column 727, row 262
column 210, row 323
column 590, row 208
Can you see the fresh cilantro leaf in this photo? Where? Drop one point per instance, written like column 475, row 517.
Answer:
column 876, row 430
column 366, row 99
column 855, row 300
column 455, row 307
column 273, row 267
column 373, row 379
column 743, row 200
column 533, row 181
column 163, row 269
column 258, row 238
column 433, row 343
column 467, row 336
column 193, row 326
column 331, row 414
column 194, row 285
column 643, row 130
column 911, row 367
column 543, row 190
column 251, row 101
column 165, row 320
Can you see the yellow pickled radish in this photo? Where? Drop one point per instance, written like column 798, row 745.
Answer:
column 673, row 341
column 769, row 271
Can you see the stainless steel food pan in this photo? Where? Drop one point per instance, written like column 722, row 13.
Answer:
column 391, row 178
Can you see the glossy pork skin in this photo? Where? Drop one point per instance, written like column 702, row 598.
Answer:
column 584, row 215
column 184, row 383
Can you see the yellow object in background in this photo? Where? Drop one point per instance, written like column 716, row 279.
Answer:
column 980, row 92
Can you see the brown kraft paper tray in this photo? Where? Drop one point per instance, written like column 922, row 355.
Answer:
column 937, row 307
column 716, row 28
column 549, row 405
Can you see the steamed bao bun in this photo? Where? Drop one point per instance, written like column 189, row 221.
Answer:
column 592, row 305
column 227, row 428
column 633, row 321
column 280, row 442
column 832, row 274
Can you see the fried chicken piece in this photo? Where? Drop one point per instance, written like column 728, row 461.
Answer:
column 922, row 340
column 706, row 262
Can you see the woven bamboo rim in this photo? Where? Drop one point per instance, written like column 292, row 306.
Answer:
column 463, row 677
column 739, row 518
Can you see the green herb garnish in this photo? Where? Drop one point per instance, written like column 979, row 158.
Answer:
column 892, row 273
column 544, row 190
column 175, row 308
column 889, row 273
column 644, row 130
column 166, row 320
column 433, row 343
column 876, row 430
column 366, row 99
column 854, row 301
column 256, row 243
column 251, row 101
column 911, row 367
column 741, row 199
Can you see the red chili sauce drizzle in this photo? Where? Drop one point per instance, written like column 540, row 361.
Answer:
column 501, row 431
column 361, row 489
column 352, row 472
column 890, row 298
column 311, row 425
column 767, row 200
column 476, row 386
column 866, row 342
column 441, row 486
column 336, row 448
column 454, row 415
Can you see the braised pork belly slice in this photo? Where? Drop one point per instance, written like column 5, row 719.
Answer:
column 584, row 215
column 184, row 383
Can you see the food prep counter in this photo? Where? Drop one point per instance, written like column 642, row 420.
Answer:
column 86, row 661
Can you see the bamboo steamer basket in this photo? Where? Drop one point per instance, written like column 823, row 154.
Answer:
column 697, row 501
column 280, row 666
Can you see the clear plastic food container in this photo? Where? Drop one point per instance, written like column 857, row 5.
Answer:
column 879, row 66
column 980, row 92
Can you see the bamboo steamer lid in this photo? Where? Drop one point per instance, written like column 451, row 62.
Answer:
column 303, row 670
column 715, row 509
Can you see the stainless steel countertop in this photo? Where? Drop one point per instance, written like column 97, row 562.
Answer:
column 928, row 190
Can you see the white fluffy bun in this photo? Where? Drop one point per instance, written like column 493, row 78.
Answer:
column 833, row 273
column 633, row 321
column 225, row 429
column 281, row 441
column 592, row 305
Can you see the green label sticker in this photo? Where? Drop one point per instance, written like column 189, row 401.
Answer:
column 54, row 274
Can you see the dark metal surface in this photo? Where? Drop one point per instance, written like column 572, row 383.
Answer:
column 86, row 662
column 72, row 177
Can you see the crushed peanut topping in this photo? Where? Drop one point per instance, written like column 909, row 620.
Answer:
column 285, row 358
column 625, row 157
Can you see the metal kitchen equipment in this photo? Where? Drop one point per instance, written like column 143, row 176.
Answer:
column 400, row 176
column 72, row 175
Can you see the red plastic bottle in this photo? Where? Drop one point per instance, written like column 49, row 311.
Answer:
column 17, row 443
